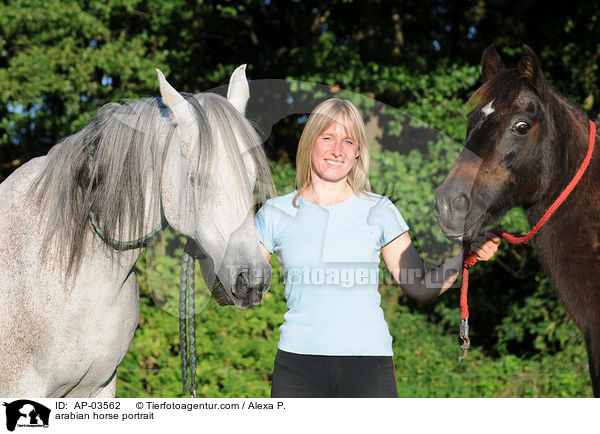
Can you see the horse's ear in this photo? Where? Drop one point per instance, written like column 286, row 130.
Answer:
column 530, row 69
column 181, row 109
column 491, row 63
column 238, row 92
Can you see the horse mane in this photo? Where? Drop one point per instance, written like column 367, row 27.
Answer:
column 504, row 87
column 233, row 128
column 114, row 165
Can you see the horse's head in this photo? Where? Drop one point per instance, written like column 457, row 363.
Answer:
column 508, row 152
column 209, row 175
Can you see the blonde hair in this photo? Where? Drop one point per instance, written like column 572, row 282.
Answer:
column 319, row 120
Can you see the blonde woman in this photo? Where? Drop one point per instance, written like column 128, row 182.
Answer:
column 328, row 236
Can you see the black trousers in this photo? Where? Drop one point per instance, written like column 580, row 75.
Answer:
column 308, row 376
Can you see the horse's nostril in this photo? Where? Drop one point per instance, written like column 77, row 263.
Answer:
column 256, row 296
column 460, row 203
column 441, row 208
column 249, row 285
column 241, row 284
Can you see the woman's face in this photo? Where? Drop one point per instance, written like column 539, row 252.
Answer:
column 335, row 151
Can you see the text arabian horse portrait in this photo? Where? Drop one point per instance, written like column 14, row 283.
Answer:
column 534, row 149
column 68, row 300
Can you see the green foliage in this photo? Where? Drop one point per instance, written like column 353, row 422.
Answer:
column 426, row 354
column 284, row 177
column 61, row 60
column 438, row 98
column 540, row 319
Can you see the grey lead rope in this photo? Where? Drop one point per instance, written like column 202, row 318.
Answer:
column 182, row 319
column 187, row 316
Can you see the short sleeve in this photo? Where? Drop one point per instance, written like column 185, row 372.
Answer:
column 264, row 226
column 389, row 220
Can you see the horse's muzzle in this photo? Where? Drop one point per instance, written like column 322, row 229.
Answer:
column 248, row 288
column 453, row 211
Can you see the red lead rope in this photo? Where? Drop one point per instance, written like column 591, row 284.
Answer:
column 470, row 260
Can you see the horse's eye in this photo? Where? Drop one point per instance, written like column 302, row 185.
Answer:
column 521, row 127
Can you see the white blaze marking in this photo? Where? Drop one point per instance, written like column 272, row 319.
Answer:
column 488, row 109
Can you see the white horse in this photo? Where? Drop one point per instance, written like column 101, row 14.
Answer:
column 69, row 301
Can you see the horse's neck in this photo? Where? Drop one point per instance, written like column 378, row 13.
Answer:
column 151, row 224
column 569, row 133
column 105, row 253
column 573, row 145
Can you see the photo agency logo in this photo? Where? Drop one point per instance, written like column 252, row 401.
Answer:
column 26, row 414
column 408, row 160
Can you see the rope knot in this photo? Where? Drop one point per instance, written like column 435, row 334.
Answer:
column 469, row 260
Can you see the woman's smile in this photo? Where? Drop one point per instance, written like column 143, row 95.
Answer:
column 334, row 152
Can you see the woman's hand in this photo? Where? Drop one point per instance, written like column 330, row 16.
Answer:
column 485, row 245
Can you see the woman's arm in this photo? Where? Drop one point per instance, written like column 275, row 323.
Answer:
column 265, row 252
column 405, row 264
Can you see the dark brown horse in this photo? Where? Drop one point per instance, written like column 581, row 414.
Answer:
column 524, row 144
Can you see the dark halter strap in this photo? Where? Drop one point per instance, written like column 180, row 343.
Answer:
column 127, row 245
column 115, row 244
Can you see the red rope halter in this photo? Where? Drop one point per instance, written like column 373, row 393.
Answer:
column 470, row 260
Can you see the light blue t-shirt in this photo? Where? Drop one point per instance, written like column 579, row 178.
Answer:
column 330, row 264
